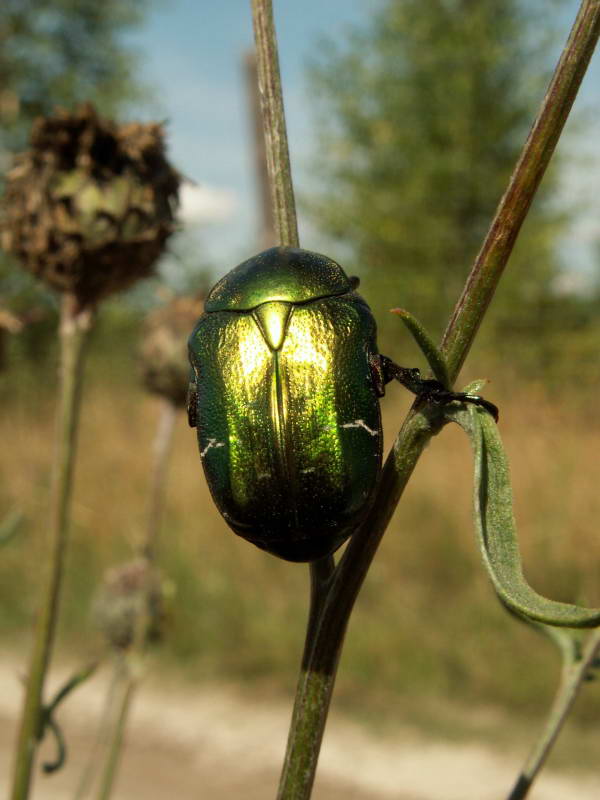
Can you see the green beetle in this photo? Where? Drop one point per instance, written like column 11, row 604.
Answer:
column 286, row 380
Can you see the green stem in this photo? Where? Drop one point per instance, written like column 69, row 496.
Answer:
column 317, row 678
column 266, row 221
column 75, row 325
column 573, row 676
column 103, row 733
column 316, row 683
column 116, row 745
column 162, row 449
column 527, row 175
column 278, row 157
column 286, row 224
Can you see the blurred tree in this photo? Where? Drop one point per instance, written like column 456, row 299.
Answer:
column 63, row 52
column 422, row 115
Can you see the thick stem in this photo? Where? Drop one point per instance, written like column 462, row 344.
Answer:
column 75, row 325
column 572, row 678
column 317, row 679
column 315, row 687
column 525, row 179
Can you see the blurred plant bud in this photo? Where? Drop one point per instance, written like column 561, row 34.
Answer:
column 131, row 601
column 163, row 354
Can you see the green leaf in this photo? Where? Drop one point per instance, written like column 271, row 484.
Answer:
column 9, row 526
column 474, row 387
column 496, row 530
column 434, row 357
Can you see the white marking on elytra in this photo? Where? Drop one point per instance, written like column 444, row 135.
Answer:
column 211, row 443
column 306, row 471
column 360, row 423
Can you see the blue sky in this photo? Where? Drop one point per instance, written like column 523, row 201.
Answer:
column 191, row 51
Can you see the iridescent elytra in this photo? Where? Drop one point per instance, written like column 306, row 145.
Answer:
column 286, row 380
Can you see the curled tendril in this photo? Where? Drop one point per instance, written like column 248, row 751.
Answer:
column 48, row 723
column 496, row 530
column 61, row 747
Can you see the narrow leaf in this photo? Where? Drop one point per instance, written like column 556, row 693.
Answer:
column 434, row 357
column 496, row 530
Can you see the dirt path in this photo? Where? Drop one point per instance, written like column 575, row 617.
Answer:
column 212, row 744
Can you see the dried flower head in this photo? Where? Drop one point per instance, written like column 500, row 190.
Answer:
column 131, row 595
column 89, row 206
column 163, row 352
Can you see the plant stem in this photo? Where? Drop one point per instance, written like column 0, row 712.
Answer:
column 278, row 157
column 102, row 734
column 75, row 325
column 266, row 221
column 128, row 666
column 572, row 678
column 318, row 673
column 161, row 450
column 116, row 744
column 316, row 682
column 286, row 225
column 525, row 179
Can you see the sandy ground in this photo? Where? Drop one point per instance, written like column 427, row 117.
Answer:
column 211, row 743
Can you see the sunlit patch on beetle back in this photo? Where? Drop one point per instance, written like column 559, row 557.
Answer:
column 272, row 319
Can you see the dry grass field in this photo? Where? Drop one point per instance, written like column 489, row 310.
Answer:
column 427, row 627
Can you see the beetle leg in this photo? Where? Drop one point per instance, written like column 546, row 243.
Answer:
column 192, row 403
column 430, row 391
column 377, row 374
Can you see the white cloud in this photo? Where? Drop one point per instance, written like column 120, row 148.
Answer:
column 204, row 203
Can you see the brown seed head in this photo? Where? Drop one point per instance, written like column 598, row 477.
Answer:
column 89, row 206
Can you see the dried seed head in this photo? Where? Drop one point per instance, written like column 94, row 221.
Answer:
column 89, row 206
column 163, row 352
column 131, row 595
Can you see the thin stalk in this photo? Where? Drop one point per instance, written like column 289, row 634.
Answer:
column 161, row 452
column 75, row 325
column 102, row 734
column 127, row 667
column 573, row 675
column 116, row 744
column 316, row 682
column 276, row 142
column 266, row 221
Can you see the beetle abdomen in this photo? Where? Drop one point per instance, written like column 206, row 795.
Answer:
column 290, row 432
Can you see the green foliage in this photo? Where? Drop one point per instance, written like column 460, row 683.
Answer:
column 63, row 52
column 422, row 117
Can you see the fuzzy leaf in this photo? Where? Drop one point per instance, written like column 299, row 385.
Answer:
column 496, row 530
column 434, row 357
